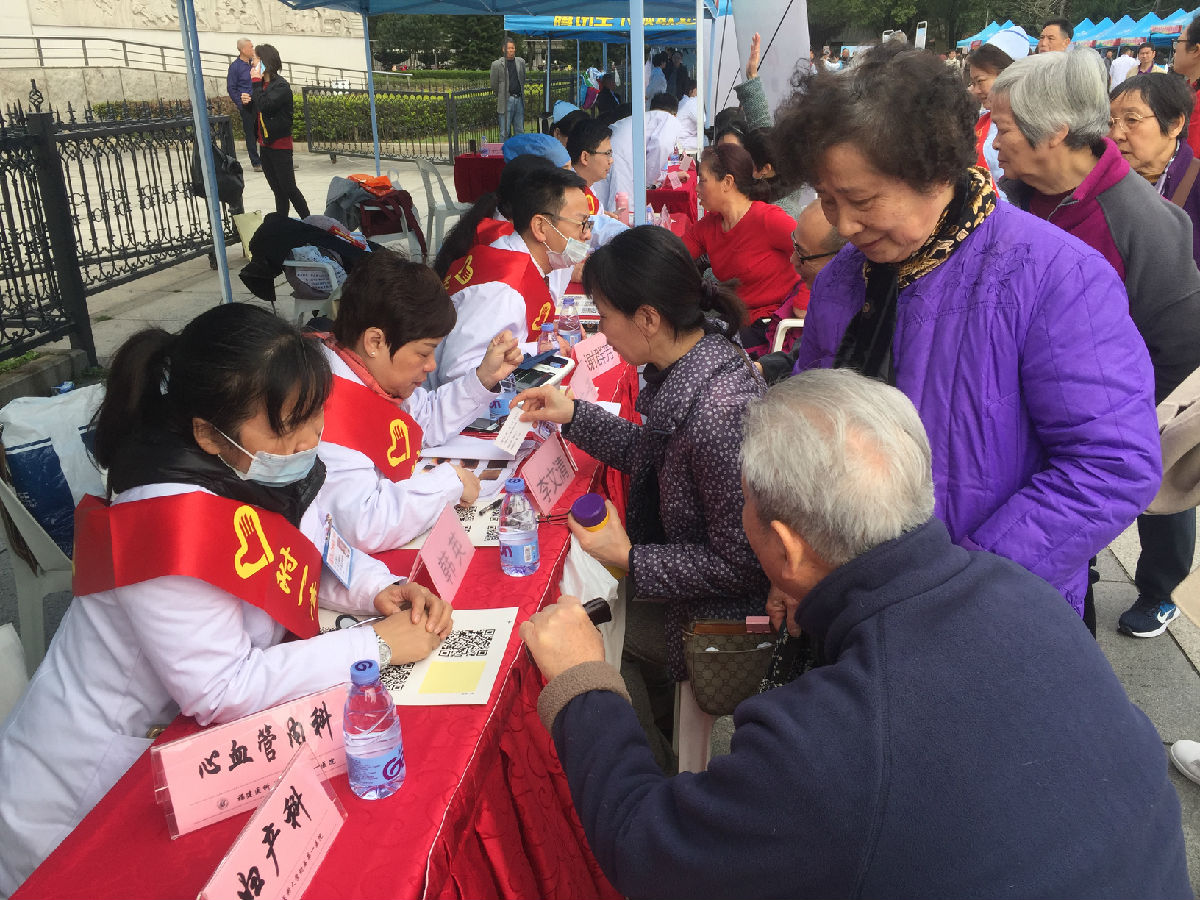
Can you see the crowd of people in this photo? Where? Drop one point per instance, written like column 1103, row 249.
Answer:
column 992, row 308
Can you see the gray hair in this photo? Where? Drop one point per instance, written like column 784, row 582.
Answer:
column 841, row 459
column 1050, row 90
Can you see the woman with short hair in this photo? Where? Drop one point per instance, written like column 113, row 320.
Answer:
column 393, row 315
column 984, row 63
column 1012, row 340
column 1149, row 118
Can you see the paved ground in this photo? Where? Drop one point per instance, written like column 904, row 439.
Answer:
column 1162, row 675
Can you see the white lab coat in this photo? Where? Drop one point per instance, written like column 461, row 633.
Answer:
column 128, row 659
column 687, row 125
column 375, row 513
column 484, row 310
column 662, row 134
column 656, row 83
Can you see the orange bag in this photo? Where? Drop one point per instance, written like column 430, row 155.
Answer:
column 376, row 184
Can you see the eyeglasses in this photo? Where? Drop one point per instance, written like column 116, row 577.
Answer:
column 1128, row 121
column 1180, row 42
column 802, row 257
column 607, row 153
column 584, row 226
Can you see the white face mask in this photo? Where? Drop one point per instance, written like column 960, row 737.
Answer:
column 574, row 253
column 273, row 469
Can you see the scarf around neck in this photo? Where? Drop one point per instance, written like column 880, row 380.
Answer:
column 867, row 343
column 356, row 365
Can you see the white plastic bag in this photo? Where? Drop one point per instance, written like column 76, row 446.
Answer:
column 49, row 462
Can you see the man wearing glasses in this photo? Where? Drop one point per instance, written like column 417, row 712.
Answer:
column 814, row 243
column 503, row 284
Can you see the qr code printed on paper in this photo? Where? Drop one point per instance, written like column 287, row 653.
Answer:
column 493, row 532
column 395, row 677
column 464, row 644
column 465, row 513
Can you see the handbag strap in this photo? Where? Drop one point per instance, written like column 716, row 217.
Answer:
column 1185, row 186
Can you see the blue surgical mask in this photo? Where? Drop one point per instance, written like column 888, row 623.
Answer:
column 273, row 469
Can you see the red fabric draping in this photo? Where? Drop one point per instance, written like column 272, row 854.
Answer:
column 484, row 812
column 476, row 175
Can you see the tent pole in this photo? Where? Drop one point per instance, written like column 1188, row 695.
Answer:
column 575, row 94
column 195, row 79
column 699, row 77
column 371, row 90
column 547, row 97
column 604, row 57
column 638, row 89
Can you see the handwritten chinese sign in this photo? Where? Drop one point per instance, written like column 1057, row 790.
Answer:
column 285, row 841
column 548, row 472
column 596, row 355
column 446, row 553
column 228, row 769
column 582, row 385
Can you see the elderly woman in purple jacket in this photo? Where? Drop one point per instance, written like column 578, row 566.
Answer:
column 685, row 544
column 1012, row 339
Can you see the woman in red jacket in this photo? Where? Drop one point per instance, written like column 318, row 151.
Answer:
column 745, row 238
column 1187, row 64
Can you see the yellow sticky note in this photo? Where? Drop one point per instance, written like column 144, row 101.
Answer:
column 452, row 677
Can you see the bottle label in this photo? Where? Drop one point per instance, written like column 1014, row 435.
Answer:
column 499, row 406
column 519, row 550
column 372, row 770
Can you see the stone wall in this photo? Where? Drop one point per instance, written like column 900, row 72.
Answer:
column 83, row 86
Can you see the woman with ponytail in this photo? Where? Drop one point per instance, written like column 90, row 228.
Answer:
column 745, row 239
column 187, row 579
column 684, row 544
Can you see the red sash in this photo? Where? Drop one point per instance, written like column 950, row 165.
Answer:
column 982, row 126
column 486, row 264
column 490, row 230
column 257, row 556
column 358, row 418
column 593, row 202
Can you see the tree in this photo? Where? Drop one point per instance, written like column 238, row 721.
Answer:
column 475, row 40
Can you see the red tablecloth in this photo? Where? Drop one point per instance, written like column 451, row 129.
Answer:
column 484, row 811
column 476, row 175
column 677, row 200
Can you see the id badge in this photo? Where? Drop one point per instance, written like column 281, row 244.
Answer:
column 338, row 554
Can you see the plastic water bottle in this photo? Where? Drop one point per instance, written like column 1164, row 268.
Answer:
column 546, row 339
column 650, row 215
column 518, row 531
column 622, row 207
column 568, row 322
column 664, row 218
column 371, row 730
column 500, row 404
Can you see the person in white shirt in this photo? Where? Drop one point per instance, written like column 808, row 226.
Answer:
column 662, row 134
column 590, row 147
column 501, row 284
column 1121, row 67
column 657, row 82
column 393, row 315
column 686, row 114
column 209, row 438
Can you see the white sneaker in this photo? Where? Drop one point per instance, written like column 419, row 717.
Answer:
column 1186, row 756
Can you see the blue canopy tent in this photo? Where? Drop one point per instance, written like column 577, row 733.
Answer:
column 1084, row 34
column 1166, row 31
column 673, row 32
column 991, row 28
column 636, row 10
column 1114, row 35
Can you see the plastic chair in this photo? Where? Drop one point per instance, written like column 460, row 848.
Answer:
column 785, row 325
column 33, row 586
column 439, row 210
column 304, row 309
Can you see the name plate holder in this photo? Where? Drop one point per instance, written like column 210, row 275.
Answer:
column 228, row 769
column 279, row 851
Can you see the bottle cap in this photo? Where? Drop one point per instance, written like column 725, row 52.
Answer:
column 589, row 510
column 547, row 326
column 364, row 671
column 514, row 486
